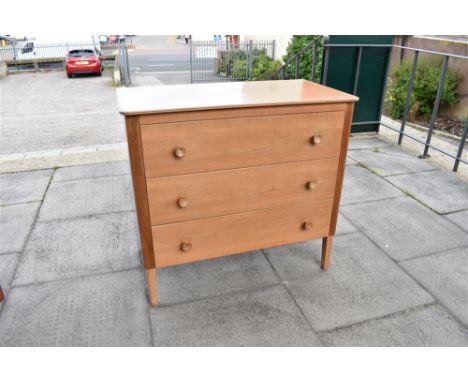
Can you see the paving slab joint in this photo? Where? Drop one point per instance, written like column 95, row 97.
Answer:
column 284, row 284
column 436, row 300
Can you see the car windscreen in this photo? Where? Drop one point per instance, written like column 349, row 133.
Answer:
column 81, row 53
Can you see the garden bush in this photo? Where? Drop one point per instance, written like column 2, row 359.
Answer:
column 424, row 92
column 233, row 63
column 264, row 67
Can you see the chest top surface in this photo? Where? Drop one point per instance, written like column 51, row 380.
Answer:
column 175, row 98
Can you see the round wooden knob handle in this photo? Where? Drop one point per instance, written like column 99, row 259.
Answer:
column 316, row 139
column 179, row 152
column 182, row 202
column 306, row 226
column 185, row 246
column 312, row 185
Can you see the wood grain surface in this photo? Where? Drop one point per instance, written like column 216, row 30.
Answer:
column 195, row 196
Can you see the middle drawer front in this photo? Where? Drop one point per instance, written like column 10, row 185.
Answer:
column 184, row 242
column 196, row 196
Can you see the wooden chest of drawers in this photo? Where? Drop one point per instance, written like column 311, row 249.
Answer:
column 220, row 169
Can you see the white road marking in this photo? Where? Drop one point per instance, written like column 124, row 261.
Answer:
column 160, row 65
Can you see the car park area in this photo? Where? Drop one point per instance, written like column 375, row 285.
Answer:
column 41, row 112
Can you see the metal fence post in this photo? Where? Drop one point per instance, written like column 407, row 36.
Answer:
column 408, row 97
column 460, row 147
column 384, row 87
column 273, row 43
column 250, row 59
column 357, row 70
column 191, row 62
column 298, row 64
column 314, row 61
column 15, row 53
column 325, row 65
column 436, row 108
column 127, row 63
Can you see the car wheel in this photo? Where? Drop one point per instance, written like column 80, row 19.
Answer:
column 69, row 75
column 99, row 74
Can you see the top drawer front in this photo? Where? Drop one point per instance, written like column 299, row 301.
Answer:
column 208, row 145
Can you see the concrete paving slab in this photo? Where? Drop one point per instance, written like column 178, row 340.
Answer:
column 70, row 248
column 266, row 317
column 360, row 185
column 87, row 197
column 389, row 160
column 214, row 277
column 404, row 228
column 366, row 143
column 15, row 223
column 23, row 187
column 445, row 275
column 439, row 190
column 459, row 218
column 7, row 269
column 91, row 171
column 427, row 326
column 103, row 310
column 350, row 161
column 362, row 282
column 344, row 225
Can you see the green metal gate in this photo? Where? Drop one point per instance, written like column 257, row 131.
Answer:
column 359, row 65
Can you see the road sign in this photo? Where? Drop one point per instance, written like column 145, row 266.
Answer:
column 217, row 37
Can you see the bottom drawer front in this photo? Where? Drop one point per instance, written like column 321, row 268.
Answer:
column 179, row 243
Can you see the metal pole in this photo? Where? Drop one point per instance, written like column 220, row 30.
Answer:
column 273, row 43
column 298, row 64
column 460, row 147
column 408, row 97
column 191, row 62
column 325, row 66
column 402, row 51
column 250, row 59
column 436, row 108
column 128, row 65
column 314, row 61
column 15, row 53
column 357, row 70
column 384, row 88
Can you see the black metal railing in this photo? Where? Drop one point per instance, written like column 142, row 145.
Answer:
column 285, row 73
column 291, row 69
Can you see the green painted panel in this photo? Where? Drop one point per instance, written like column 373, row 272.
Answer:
column 341, row 70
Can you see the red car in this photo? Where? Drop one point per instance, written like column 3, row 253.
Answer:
column 81, row 61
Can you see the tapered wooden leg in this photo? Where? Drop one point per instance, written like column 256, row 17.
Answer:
column 152, row 286
column 326, row 251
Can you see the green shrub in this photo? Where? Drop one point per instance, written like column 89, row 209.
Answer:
column 305, row 69
column 264, row 67
column 228, row 58
column 424, row 92
column 239, row 69
column 233, row 63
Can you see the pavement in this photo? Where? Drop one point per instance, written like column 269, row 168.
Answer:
column 70, row 266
